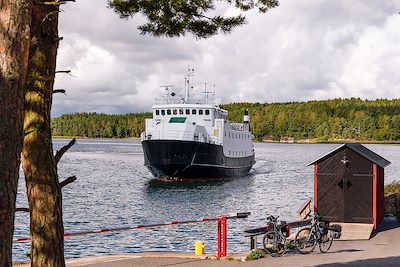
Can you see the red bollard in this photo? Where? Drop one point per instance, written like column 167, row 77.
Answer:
column 222, row 243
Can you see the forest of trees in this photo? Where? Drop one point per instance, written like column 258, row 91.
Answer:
column 364, row 120
column 326, row 120
column 94, row 125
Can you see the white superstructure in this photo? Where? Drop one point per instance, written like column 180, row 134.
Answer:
column 202, row 123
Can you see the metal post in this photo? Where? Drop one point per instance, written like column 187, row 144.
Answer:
column 253, row 242
column 222, row 235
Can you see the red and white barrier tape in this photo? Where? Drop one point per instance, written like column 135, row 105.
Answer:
column 117, row 229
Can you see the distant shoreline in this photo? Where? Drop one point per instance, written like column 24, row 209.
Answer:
column 337, row 141
column 93, row 138
column 305, row 141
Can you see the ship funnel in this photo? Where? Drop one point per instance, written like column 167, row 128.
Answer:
column 246, row 120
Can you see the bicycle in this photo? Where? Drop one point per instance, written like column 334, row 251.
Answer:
column 275, row 240
column 319, row 233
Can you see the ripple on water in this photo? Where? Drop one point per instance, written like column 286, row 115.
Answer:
column 114, row 189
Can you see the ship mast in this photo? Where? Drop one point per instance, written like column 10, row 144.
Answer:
column 187, row 83
column 206, row 93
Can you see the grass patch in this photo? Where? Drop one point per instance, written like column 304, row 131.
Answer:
column 256, row 254
column 291, row 245
column 392, row 188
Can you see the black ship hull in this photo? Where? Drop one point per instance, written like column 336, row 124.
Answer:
column 189, row 160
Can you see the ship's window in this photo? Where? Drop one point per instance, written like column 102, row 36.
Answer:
column 207, row 111
column 163, row 112
column 168, row 111
column 157, row 112
column 229, row 152
column 193, row 111
column 200, row 112
column 187, row 111
column 229, row 134
column 175, row 111
column 177, row 120
column 181, row 111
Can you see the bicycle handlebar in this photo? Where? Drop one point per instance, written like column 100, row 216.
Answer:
column 272, row 218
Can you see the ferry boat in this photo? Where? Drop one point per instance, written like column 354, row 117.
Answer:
column 190, row 139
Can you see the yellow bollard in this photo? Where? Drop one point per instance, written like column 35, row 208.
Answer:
column 199, row 248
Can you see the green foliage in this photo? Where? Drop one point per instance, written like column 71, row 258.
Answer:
column 291, row 245
column 176, row 17
column 256, row 254
column 323, row 121
column 392, row 188
column 94, row 125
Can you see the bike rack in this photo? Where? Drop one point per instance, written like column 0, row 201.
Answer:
column 254, row 232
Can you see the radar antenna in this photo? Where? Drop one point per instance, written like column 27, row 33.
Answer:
column 167, row 95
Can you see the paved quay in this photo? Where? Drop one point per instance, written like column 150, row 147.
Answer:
column 382, row 250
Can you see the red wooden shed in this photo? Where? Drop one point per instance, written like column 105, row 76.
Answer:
column 349, row 185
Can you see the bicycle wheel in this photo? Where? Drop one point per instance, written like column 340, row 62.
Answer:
column 326, row 242
column 274, row 245
column 305, row 241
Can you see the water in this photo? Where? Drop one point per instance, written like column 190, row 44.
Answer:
column 114, row 189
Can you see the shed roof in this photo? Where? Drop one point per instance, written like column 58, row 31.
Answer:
column 359, row 149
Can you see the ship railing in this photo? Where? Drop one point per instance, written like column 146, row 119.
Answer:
column 236, row 126
column 177, row 135
column 178, row 99
column 174, row 135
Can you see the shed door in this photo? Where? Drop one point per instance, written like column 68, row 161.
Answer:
column 331, row 197
column 345, row 188
column 358, row 188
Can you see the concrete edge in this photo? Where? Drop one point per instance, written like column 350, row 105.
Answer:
column 112, row 258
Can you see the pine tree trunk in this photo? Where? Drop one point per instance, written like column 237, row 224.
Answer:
column 43, row 189
column 15, row 16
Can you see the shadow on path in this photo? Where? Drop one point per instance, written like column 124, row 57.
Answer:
column 391, row 261
column 389, row 223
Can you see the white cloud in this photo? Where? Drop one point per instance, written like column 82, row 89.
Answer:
column 372, row 63
column 99, row 81
column 302, row 50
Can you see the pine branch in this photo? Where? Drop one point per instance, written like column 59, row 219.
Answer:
column 62, row 184
column 56, row 3
column 22, row 209
column 64, row 149
column 59, row 91
column 63, row 71
column 68, row 181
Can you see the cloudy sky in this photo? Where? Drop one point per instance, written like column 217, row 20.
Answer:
column 303, row 50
